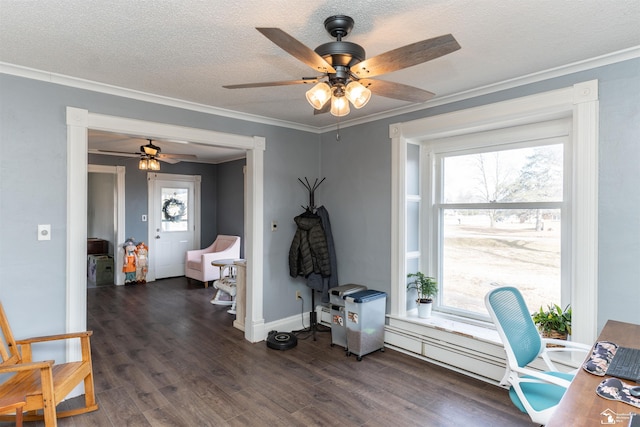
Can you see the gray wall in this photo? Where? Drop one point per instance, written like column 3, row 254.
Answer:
column 101, row 191
column 230, row 200
column 356, row 192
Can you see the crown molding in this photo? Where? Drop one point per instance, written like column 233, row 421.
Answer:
column 61, row 79
column 611, row 58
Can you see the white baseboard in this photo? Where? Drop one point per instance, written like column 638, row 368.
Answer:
column 298, row 321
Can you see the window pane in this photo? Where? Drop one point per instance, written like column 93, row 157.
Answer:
column 413, row 170
column 175, row 215
column 483, row 249
column 519, row 175
column 413, row 226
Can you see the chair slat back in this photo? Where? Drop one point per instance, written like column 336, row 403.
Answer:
column 513, row 321
column 8, row 347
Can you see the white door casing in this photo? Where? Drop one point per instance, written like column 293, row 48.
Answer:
column 78, row 122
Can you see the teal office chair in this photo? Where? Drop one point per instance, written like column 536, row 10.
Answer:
column 534, row 392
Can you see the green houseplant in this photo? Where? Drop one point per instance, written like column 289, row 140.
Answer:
column 554, row 322
column 427, row 288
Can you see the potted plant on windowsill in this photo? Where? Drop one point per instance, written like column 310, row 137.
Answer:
column 427, row 288
column 554, row 322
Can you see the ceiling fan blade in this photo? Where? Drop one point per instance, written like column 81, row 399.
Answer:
column 406, row 56
column 267, row 84
column 397, row 90
column 114, row 153
column 163, row 156
column 297, row 49
column 168, row 160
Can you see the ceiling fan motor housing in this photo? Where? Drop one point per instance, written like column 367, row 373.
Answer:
column 339, row 25
column 340, row 53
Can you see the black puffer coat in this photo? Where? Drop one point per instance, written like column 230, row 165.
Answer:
column 309, row 252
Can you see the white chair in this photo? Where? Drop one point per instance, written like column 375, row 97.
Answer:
column 198, row 262
column 534, row 392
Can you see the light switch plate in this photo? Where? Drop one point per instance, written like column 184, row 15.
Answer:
column 44, row 231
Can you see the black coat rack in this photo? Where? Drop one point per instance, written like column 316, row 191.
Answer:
column 311, row 208
column 312, row 189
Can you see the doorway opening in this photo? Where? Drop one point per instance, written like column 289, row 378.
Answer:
column 79, row 121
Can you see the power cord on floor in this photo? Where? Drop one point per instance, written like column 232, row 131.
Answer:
column 306, row 332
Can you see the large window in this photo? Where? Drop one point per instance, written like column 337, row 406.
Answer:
column 498, row 220
column 500, row 194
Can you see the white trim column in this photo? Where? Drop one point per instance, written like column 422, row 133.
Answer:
column 584, row 269
column 398, row 220
column 76, row 218
column 254, row 237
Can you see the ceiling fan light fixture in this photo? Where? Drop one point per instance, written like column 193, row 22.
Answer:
column 339, row 105
column 143, row 165
column 148, row 163
column 154, row 164
column 319, row 95
column 357, row 94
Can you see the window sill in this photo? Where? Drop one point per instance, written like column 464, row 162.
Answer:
column 477, row 330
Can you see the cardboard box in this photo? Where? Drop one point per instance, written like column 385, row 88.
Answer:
column 101, row 269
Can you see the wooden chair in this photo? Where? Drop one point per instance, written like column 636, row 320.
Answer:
column 9, row 406
column 42, row 385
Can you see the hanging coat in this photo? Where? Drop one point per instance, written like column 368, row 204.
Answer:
column 309, row 252
column 316, row 281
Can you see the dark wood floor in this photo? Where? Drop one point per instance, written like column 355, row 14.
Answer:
column 164, row 356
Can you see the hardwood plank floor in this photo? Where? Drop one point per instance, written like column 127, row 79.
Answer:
column 164, row 356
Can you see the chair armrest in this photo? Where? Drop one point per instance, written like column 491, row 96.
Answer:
column 54, row 337
column 230, row 253
column 541, row 376
column 195, row 254
column 566, row 345
column 30, row 366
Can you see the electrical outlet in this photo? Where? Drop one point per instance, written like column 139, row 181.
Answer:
column 298, row 296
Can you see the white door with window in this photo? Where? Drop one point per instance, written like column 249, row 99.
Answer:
column 174, row 225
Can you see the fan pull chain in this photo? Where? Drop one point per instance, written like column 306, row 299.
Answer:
column 338, row 130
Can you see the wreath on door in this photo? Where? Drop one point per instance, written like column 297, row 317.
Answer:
column 173, row 209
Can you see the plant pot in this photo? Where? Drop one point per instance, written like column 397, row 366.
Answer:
column 424, row 309
column 554, row 334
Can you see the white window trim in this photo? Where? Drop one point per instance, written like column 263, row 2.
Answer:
column 580, row 102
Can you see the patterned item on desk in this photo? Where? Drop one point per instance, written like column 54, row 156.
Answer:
column 614, row 389
column 600, row 358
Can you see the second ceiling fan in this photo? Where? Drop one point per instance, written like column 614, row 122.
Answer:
column 346, row 74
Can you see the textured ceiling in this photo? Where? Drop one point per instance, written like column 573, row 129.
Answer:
column 188, row 49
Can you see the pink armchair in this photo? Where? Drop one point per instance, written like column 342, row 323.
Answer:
column 198, row 262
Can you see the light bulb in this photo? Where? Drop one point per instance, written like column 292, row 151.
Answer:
column 143, row 164
column 319, row 95
column 154, row 164
column 339, row 106
column 357, row 94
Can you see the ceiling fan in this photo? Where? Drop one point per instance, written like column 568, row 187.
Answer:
column 150, row 154
column 346, row 73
